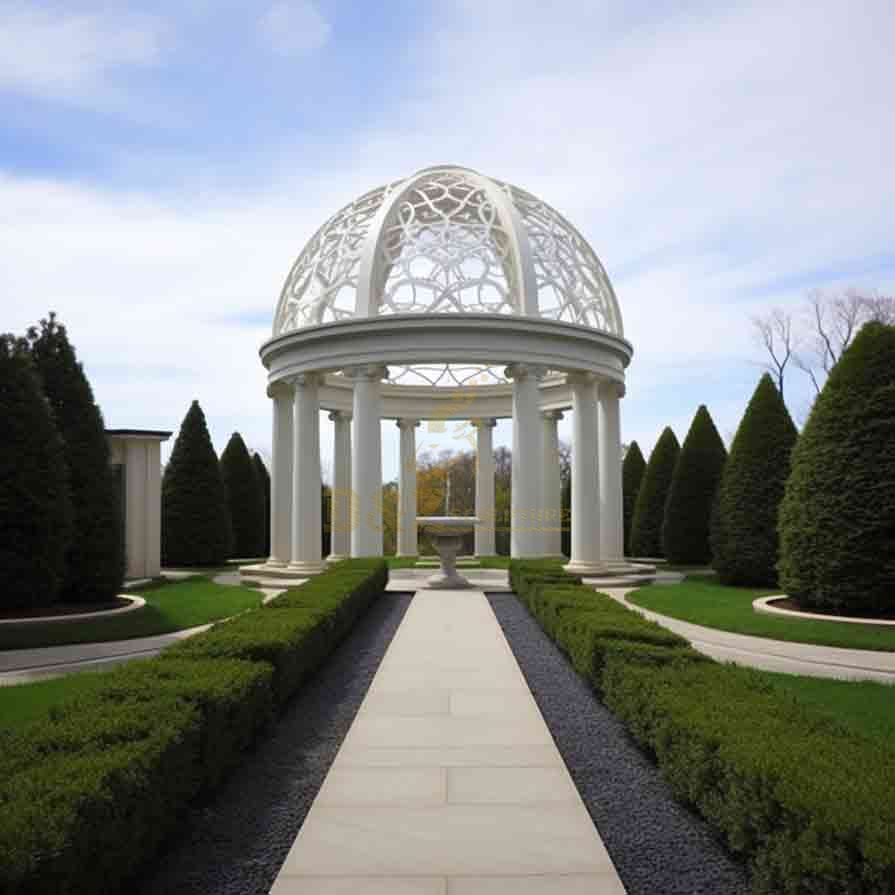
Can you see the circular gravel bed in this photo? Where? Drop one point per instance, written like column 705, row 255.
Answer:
column 658, row 846
column 236, row 842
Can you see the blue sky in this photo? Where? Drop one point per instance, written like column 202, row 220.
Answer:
column 162, row 164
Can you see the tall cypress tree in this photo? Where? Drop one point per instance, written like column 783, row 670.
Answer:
column 745, row 545
column 837, row 517
column 633, row 469
column 264, row 479
column 35, row 505
column 95, row 557
column 649, row 508
column 245, row 498
column 688, row 510
column 196, row 527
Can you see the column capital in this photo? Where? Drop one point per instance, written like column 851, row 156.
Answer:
column 579, row 377
column 279, row 389
column 612, row 389
column 484, row 423
column 406, row 423
column 368, row 372
column 343, row 415
column 301, row 380
column 552, row 415
column 524, row 371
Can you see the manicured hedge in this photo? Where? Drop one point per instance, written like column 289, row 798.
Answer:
column 837, row 517
column 649, row 508
column 807, row 803
column 87, row 795
column 745, row 545
column 688, row 508
column 35, row 503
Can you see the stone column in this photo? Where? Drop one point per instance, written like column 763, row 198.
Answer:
column 484, row 486
column 306, row 483
column 585, row 558
column 281, row 475
column 366, row 460
column 340, row 514
column 612, row 544
column 551, row 484
column 525, row 534
column 407, row 534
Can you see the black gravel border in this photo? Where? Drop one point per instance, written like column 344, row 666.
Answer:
column 658, row 846
column 235, row 842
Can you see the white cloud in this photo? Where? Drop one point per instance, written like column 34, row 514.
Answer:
column 706, row 159
column 67, row 55
column 295, row 27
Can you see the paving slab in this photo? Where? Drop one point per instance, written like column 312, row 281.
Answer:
column 448, row 779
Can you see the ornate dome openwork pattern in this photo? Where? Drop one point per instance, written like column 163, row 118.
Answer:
column 448, row 240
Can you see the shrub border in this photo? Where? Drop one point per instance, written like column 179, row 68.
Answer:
column 131, row 754
column 803, row 801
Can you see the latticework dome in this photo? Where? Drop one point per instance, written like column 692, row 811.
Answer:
column 448, row 240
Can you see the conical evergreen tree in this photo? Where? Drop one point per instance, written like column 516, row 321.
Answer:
column 837, row 518
column 688, row 510
column 649, row 508
column 245, row 496
column 196, row 527
column 633, row 469
column 35, row 505
column 745, row 545
column 264, row 479
column 95, row 556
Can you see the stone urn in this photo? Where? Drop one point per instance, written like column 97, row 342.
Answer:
column 446, row 534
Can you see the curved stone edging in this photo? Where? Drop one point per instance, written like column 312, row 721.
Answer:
column 135, row 603
column 763, row 604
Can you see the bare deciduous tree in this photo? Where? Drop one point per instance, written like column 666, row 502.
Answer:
column 815, row 342
column 834, row 319
column 774, row 332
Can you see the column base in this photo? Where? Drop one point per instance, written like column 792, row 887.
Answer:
column 336, row 557
column 274, row 563
column 585, row 568
column 626, row 567
column 307, row 567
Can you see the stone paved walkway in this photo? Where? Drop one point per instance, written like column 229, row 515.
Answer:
column 448, row 781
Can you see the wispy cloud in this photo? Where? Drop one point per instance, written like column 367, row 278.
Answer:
column 59, row 54
column 295, row 27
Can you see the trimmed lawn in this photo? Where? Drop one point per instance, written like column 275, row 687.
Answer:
column 714, row 605
column 409, row 562
column 169, row 607
column 30, row 702
column 866, row 707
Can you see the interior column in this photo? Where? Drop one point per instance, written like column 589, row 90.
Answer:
column 281, row 475
column 551, row 484
column 484, row 486
column 611, row 508
column 525, row 533
column 340, row 513
column 407, row 533
column 306, row 491
column 585, row 558
column 366, row 460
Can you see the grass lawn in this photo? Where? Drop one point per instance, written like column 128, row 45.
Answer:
column 409, row 562
column 22, row 703
column 169, row 607
column 865, row 706
column 705, row 602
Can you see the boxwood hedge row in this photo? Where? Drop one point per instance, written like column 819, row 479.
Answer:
column 807, row 803
column 89, row 793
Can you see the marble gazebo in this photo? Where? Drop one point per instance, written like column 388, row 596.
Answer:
column 448, row 295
